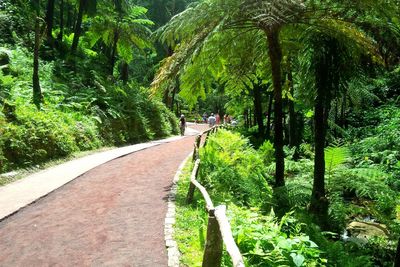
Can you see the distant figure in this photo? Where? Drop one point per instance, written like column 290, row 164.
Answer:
column 182, row 124
column 205, row 117
column 217, row 119
column 211, row 120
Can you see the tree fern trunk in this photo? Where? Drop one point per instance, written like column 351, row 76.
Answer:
column 114, row 52
column 61, row 33
column 37, row 92
column 125, row 72
column 176, row 86
column 258, row 110
column 70, row 19
column 275, row 55
column 292, row 113
column 324, row 83
column 49, row 20
column 270, row 102
column 78, row 26
column 318, row 200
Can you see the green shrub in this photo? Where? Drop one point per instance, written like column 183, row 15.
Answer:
column 267, row 152
column 267, row 241
column 230, row 165
column 37, row 136
column 82, row 110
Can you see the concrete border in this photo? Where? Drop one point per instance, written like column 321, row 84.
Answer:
column 170, row 243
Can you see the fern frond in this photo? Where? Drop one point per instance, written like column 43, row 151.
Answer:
column 335, row 156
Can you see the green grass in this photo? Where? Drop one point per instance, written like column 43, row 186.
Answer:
column 191, row 223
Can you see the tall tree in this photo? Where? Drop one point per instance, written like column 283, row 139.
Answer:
column 124, row 30
column 37, row 91
column 78, row 25
column 258, row 111
column 61, row 33
column 49, row 20
column 200, row 27
column 216, row 16
column 326, row 64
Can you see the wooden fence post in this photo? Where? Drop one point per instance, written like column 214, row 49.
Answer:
column 205, row 141
column 195, row 152
column 213, row 247
column 192, row 187
column 196, row 148
column 198, row 140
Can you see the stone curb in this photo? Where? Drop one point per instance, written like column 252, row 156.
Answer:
column 170, row 243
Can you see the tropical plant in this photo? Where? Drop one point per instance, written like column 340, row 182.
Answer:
column 123, row 28
column 230, row 165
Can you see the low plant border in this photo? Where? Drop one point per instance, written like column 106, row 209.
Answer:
column 218, row 228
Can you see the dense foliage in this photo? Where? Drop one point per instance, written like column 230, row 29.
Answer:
column 92, row 97
column 318, row 80
column 313, row 85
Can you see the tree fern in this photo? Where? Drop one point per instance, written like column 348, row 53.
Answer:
column 335, row 156
column 363, row 182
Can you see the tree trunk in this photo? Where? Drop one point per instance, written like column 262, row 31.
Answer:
column 246, row 119
column 250, row 118
column 49, row 20
column 174, row 92
column 292, row 124
column 275, row 55
column 78, row 26
column 343, row 113
column 114, row 52
column 270, row 102
column 292, row 115
column 37, row 92
column 318, row 200
column 167, row 100
column 69, row 22
column 61, row 33
column 324, row 82
column 124, row 72
column 258, row 110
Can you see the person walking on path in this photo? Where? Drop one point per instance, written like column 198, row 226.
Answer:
column 182, row 124
column 205, row 117
column 211, row 120
column 217, row 119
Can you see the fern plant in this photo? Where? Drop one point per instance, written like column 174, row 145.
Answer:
column 335, row 156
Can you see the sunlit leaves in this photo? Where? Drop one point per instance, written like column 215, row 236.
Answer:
column 128, row 29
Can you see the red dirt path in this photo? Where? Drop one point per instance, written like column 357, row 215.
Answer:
column 111, row 216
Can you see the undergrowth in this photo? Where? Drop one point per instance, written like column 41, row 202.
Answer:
column 263, row 238
column 82, row 111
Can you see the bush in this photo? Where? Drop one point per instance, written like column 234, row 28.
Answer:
column 229, row 164
column 267, row 241
column 37, row 136
column 82, row 109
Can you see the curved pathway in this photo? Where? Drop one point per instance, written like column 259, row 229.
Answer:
column 113, row 215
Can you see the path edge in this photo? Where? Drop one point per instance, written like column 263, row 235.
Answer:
column 170, row 243
column 5, row 215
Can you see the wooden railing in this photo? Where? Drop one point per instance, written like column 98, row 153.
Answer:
column 218, row 229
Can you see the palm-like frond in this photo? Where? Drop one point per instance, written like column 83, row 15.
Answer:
column 131, row 28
